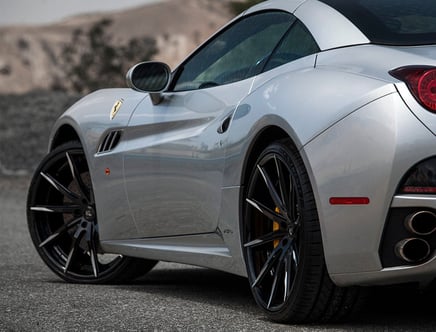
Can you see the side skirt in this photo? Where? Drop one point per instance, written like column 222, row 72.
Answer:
column 205, row 250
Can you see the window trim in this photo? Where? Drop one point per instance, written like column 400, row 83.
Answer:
column 296, row 21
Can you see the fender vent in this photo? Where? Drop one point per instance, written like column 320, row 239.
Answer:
column 110, row 141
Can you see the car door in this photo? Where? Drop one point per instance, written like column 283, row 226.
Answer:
column 174, row 160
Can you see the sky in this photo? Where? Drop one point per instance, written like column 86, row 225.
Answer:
column 15, row 12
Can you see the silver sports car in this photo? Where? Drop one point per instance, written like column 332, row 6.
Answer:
column 295, row 147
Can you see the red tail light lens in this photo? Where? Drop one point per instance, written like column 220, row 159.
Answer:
column 421, row 179
column 421, row 81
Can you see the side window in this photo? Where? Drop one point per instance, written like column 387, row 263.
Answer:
column 296, row 44
column 237, row 53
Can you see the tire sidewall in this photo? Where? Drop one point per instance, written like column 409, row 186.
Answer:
column 307, row 237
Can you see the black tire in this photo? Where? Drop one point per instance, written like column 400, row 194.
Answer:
column 282, row 243
column 63, row 225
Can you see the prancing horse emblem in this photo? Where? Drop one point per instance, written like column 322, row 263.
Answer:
column 116, row 108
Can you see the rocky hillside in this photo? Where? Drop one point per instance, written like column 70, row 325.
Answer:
column 29, row 55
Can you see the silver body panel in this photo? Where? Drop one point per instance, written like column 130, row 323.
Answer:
column 174, row 190
column 179, row 145
column 318, row 16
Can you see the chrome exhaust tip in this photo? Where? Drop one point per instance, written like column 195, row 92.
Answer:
column 412, row 250
column 421, row 223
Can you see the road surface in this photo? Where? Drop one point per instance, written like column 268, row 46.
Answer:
column 172, row 297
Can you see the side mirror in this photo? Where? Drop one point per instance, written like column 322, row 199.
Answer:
column 152, row 77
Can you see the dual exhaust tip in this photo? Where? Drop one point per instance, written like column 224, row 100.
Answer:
column 416, row 249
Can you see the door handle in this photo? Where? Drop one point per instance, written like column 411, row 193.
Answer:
column 225, row 124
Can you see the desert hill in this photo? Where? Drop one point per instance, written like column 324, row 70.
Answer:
column 29, row 55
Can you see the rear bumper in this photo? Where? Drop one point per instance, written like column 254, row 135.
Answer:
column 423, row 274
column 403, row 272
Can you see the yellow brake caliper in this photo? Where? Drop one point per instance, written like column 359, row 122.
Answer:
column 276, row 227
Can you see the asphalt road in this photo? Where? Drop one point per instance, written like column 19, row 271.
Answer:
column 172, row 297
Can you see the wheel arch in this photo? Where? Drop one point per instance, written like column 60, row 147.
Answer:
column 263, row 138
column 64, row 134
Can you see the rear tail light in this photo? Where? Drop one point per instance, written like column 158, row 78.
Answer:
column 421, row 81
column 421, row 179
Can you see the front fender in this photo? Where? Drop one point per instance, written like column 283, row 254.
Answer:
column 91, row 120
column 90, row 117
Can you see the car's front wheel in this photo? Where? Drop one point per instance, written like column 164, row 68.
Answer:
column 282, row 243
column 62, row 221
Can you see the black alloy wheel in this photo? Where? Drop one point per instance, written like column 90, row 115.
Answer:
column 282, row 243
column 62, row 221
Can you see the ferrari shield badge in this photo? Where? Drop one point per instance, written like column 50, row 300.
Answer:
column 116, row 108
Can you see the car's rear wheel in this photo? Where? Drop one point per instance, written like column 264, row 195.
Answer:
column 62, row 221
column 282, row 243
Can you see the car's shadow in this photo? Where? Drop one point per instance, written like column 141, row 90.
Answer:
column 203, row 285
column 394, row 307
column 404, row 306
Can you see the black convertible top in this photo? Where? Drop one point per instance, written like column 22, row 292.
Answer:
column 391, row 22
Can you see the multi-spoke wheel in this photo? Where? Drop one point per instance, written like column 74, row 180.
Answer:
column 63, row 222
column 282, row 242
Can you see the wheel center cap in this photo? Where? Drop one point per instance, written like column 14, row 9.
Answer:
column 89, row 213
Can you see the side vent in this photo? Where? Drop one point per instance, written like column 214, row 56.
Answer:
column 110, row 141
